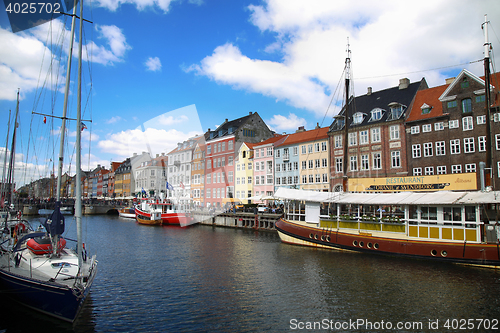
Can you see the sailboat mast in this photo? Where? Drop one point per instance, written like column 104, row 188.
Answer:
column 346, row 113
column 78, row 202
column 489, row 155
column 65, row 105
column 12, row 161
column 4, row 182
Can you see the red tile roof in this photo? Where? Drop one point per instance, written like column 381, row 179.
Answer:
column 306, row 136
column 430, row 97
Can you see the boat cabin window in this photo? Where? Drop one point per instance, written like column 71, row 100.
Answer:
column 452, row 213
column 470, row 213
column 429, row 213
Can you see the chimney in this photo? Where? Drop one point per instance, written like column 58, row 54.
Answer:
column 250, row 113
column 450, row 80
column 404, row 83
column 225, row 121
column 300, row 129
column 317, row 126
column 157, row 155
column 135, row 154
column 369, row 91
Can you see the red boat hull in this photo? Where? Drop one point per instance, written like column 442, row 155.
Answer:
column 461, row 252
column 174, row 219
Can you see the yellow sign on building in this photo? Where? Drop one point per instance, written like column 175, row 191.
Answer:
column 448, row 182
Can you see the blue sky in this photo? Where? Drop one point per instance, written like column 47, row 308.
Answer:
column 173, row 69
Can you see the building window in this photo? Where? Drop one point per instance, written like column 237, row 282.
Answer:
column 304, row 165
column 357, row 118
column 453, row 123
column 467, row 123
column 394, row 132
column 377, row 161
column 481, row 120
column 426, row 128
column 497, row 141
column 375, row 134
column 469, row 145
column 481, row 141
column 304, row 149
column 452, row 104
column 354, row 163
column 376, row 114
column 427, row 149
column 441, row 170
column 310, row 148
column 323, row 146
column 457, row 168
column 317, row 163
column 310, row 164
column 337, row 143
column 339, row 164
column 304, row 179
column 439, row 126
column 353, row 139
column 470, row 167
column 364, row 162
column 417, row 171
column 429, row 171
column 324, row 162
column 455, row 146
column 311, row 179
column 467, row 105
column 396, row 159
column 416, row 151
column 415, row 129
column 363, row 137
column 269, row 152
column 440, row 148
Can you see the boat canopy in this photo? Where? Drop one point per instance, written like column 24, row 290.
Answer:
column 400, row 198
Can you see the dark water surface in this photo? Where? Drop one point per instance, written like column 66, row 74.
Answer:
column 204, row 279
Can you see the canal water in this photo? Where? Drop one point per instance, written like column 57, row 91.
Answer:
column 212, row 279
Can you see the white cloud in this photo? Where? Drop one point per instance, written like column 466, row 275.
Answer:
column 280, row 123
column 113, row 5
column 25, row 57
column 113, row 120
column 389, row 40
column 126, row 143
column 153, row 64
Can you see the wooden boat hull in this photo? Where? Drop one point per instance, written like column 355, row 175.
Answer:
column 147, row 221
column 460, row 252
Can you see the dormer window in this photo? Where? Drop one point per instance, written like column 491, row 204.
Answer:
column 396, row 110
column 376, row 114
column 426, row 109
column 357, row 118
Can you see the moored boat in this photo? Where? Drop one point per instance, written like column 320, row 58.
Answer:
column 448, row 226
column 127, row 212
column 168, row 211
column 152, row 219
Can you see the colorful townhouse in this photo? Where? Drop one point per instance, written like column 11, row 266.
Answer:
column 222, row 144
column 244, row 172
column 301, row 160
column 198, row 173
column 263, row 169
column 447, row 135
column 375, row 136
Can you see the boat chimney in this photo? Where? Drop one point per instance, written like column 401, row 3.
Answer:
column 404, row 83
column 369, row 91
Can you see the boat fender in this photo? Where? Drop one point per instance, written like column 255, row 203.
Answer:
column 20, row 228
column 17, row 259
column 84, row 253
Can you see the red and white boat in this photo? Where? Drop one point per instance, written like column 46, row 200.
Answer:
column 170, row 213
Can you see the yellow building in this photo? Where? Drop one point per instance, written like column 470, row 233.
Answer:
column 243, row 184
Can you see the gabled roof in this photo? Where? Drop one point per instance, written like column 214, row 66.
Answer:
column 306, row 136
column 429, row 97
column 381, row 99
column 234, row 125
column 272, row 140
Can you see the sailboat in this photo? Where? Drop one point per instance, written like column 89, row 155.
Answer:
column 446, row 226
column 37, row 269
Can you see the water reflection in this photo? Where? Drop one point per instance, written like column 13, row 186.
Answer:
column 216, row 279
